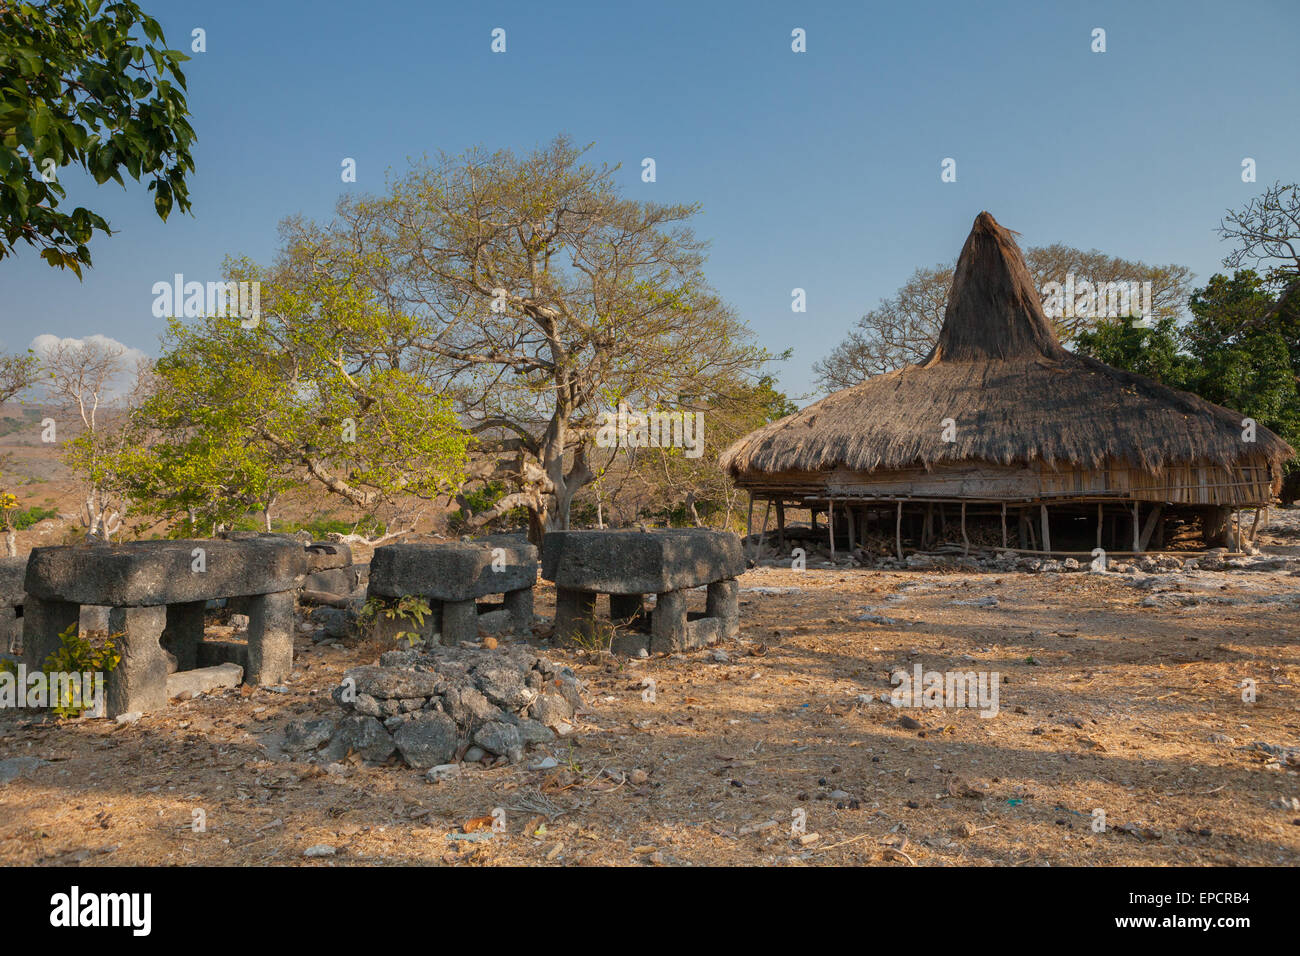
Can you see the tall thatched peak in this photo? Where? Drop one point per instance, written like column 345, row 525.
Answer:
column 1015, row 395
column 994, row 311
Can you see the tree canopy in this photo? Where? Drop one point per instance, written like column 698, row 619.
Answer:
column 90, row 83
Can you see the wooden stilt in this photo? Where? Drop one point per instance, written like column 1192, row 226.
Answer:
column 1099, row 523
column 780, row 525
column 749, row 522
column 1004, row 524
column 761, row 544
column 1137, row 529
column 830, row 525
column 1152, row 519
column 1254, row 526
column 898, row 531
column 848, row 515
column 1047, row 531
column 965, row 541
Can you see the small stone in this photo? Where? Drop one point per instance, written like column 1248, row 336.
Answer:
column 551, row 709
column 444, row 771
column 503, row 685
column 498, row 737
column 546, row 763
column 490, row 643
column 307, row 734
column 427, row 740
column 638, row 777
column 363, row 735
column 320, row 849
column 475, row 754
column 534, row 731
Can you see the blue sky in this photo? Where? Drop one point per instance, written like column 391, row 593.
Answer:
column 818, row 170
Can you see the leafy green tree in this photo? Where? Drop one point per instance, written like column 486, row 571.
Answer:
column 1151, row 350
column 319, row 388
column 18, row 372
column 671, row 485
column 79, row 86
column 1243, row 345
column 540, row 293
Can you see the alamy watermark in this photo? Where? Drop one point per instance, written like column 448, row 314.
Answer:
column 1098, row 300
column 78, row 690
column 193, row 300
column 626, row 428
column 976, row 690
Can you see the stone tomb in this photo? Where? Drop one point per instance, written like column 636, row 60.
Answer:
column 156, row 592
column 452, row 576
column 627, row 565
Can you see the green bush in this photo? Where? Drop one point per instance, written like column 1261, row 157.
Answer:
column 25, row 519
column 75, row 655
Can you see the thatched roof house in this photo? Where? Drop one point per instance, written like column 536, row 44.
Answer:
column 999, row 414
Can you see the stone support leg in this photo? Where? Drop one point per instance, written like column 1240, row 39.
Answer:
column 139, row 682
column 668, row 630
column 270, row 638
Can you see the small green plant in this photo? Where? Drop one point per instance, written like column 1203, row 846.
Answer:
column 75, row 655
column 409, row 607
column 597, row 636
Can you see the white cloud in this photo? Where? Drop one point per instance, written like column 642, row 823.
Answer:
column 46, row 343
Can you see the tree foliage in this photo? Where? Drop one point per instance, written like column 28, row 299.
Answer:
column 89, row 83
column 321, row 387
column 540, row 297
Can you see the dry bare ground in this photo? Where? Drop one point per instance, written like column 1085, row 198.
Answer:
column 1120, row 693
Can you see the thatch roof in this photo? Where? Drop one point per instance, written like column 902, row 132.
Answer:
column 1016, row 396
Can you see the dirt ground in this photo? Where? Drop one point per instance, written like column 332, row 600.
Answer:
column 1119, row 693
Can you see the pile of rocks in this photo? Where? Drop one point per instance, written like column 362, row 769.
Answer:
column 443, row 705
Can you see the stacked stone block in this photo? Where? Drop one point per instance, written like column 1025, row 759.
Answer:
column 13, row 598
column 156, row 592
column 452, row 577
column 627, row 565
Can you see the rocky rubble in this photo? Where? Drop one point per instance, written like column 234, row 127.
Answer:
column 445, row 704
column 1218, row 559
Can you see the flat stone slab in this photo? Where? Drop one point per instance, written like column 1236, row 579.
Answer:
column 453, row 570
column 150, row 573
column 12, row 573
column 203, row 680
column 640, row 562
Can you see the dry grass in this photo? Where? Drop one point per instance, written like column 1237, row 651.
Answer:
column 1116, row 711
